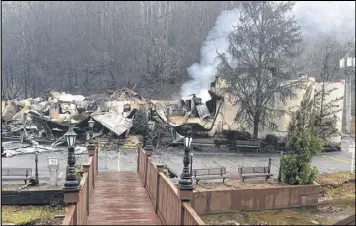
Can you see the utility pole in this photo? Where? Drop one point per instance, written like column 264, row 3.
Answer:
column 352, row 150
column 348, row 64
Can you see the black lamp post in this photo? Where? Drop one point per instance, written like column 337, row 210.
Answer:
column 91, row 126
column 36, row 182
column 186, row 181
column 71, row 176
column 191, row 163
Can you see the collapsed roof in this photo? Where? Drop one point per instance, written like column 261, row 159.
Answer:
column 125, row 94
column 189, row 110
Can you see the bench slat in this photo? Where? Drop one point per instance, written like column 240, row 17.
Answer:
column 14, row 178
column 212, row 177
column 256, row 174
column 207, row 172
column 16, row 171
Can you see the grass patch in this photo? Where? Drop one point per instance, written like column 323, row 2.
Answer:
column 339, row 185
column 21, row 215
column 334, row 178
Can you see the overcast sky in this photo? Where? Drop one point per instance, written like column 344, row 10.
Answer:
column 326, row 16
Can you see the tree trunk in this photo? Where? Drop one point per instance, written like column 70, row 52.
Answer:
column 255, row 128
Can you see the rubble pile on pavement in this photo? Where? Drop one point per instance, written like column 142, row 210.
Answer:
column 46, row 121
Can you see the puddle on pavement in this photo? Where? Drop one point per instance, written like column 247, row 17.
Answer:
column 291, row 216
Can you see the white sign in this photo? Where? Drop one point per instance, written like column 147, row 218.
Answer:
column 53, row 163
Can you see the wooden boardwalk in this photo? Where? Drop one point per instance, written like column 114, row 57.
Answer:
column 120, row 198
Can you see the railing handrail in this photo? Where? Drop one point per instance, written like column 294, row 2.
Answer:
column 68, row 219
column 78, row 213
column 193, row 214
column 169, row 182
column 145, row 169
column 84, row 179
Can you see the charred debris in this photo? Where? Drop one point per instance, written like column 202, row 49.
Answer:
column 46, row 121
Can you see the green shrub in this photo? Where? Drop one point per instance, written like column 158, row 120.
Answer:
column 295, row 172
column 296, row 169
column 305, row 141
column 140, row 123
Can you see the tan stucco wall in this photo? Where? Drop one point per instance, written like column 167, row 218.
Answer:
column 228, row 111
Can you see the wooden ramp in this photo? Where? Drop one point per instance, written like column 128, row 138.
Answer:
column 121, row 199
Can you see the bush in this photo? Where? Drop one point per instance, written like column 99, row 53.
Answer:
column 271, row 139
column 140, row 123
column 305, row 141
column 296, row 169
column 292, row 172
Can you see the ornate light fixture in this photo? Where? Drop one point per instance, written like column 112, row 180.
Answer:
column 71, row 176
column 91, row 126
column 186, row 181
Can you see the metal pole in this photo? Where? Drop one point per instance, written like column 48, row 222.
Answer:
column 37, row 182
column 191, row 165
column 279, row 173
column 347, row 101
column 352, row 150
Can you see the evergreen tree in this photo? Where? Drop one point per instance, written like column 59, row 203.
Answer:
column 305, row 142
column 325, row 109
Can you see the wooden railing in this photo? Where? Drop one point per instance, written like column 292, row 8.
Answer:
column 78, row 210
column 164, row 194
column 190, row 216
column 169, row 203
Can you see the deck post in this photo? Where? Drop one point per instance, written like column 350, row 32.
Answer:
column 86, row 168
column 159, row 169
column 148, row 150
column 92, row 151
column 138, row 156
column 71, row 197
column 185, row 195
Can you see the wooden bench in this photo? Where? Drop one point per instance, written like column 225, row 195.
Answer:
column 248, row 144
column 209, row 174
column 15, row 174
column 256, row 171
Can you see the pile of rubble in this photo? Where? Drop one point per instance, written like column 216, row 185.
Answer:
column 48, row 120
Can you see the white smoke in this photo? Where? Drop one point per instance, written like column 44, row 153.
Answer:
column 204, row 73
column 313, row 17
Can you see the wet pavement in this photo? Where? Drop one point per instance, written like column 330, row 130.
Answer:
column 126, row 160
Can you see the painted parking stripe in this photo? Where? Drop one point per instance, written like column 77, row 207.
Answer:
column 335, row 159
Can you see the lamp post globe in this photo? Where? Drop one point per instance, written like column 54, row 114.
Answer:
column 70, row 136
column 91, row 126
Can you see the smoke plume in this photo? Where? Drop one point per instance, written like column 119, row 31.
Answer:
column 204, row 73
column 313, row 17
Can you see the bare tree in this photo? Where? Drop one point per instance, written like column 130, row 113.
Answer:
column 262, row 49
